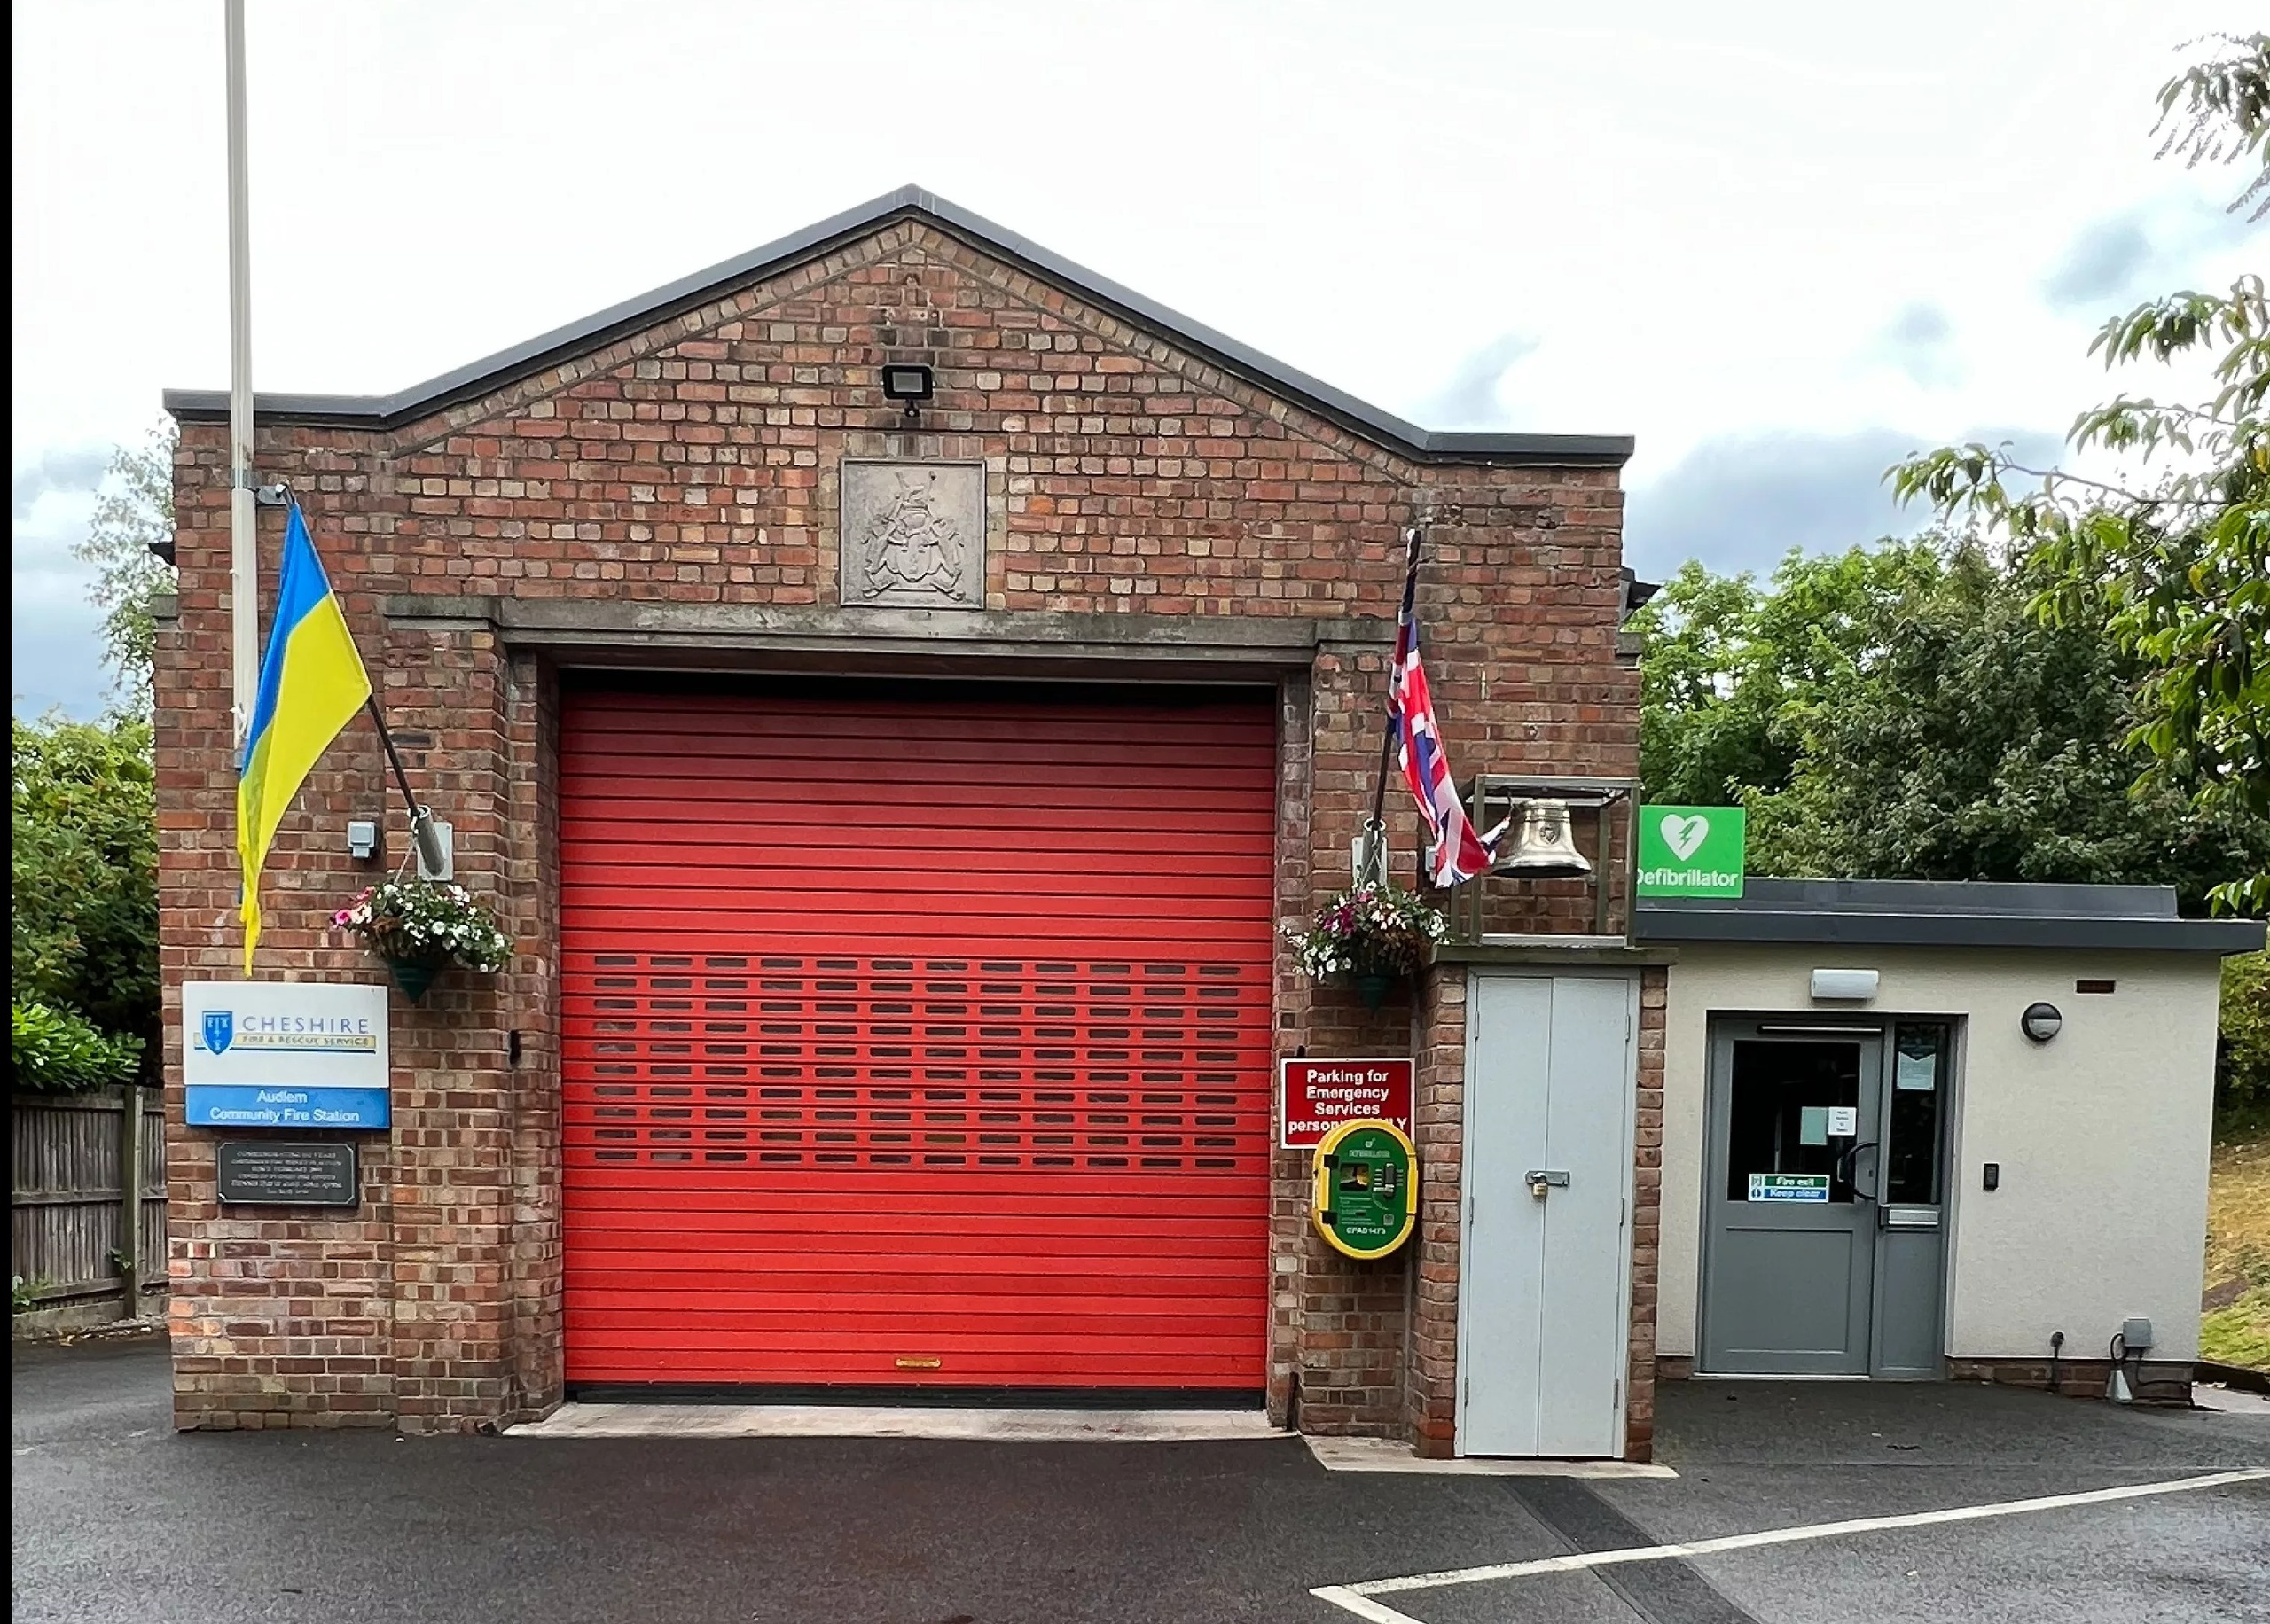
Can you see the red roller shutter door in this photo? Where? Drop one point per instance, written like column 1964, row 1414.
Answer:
column 916, row 1042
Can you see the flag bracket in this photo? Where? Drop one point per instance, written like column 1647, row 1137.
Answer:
column 433, row 853
column 1495, row 797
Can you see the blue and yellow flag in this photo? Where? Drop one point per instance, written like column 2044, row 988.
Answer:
column 312, row 684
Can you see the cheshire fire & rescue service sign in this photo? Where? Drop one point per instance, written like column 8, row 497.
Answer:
column 284, row 1054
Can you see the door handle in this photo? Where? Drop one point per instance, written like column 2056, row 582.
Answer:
column 1542, row 1179
column 1848, row 1169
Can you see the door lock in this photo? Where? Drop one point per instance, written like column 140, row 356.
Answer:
column 1542, row 1179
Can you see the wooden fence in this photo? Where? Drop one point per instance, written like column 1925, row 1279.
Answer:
column 70, row 1236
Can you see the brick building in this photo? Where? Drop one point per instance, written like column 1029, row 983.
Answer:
column 894, row 804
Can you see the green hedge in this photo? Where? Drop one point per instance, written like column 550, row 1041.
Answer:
column 2242, row 1049
column 59, row 1051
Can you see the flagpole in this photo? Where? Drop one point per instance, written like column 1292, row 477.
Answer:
column 421, row 819
column 1375, row 827
column 244, row 542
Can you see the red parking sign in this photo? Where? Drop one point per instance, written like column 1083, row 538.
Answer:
column 1315, row 1096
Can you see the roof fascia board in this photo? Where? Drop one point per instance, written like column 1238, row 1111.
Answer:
column 1943, row 930
column 492, row 372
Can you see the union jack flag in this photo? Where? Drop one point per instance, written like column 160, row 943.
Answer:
column 1455, row 852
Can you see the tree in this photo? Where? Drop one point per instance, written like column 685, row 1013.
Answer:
column 2171, row 550
column 1898, row 712
column 2225, row 117
column 1728, row 667
column 1979, row 743
column 83, row 871
column 134, row 511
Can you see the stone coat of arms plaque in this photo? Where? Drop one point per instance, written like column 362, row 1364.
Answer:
column 913, row 535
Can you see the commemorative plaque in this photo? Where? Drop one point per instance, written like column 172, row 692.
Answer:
column 262, row 1172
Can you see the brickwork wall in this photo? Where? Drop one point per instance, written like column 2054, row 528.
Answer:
column 2152, row 1381
column 1292, row 1242
column 1431, row 1373
column 1647, row 1218
column 535, row 1261
column 695, row 463
column 1353, row 1312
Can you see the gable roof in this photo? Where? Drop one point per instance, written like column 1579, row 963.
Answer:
column 491, row 373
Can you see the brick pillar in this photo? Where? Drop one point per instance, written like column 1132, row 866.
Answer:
column 1288, row 1229
column 453, row 1195
column 1430, row 1368
column 1647, row 1218
column 530, row 891
column 1352, row 1311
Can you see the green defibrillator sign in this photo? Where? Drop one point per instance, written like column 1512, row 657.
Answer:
column 1691, row 851
column 1366, row 1196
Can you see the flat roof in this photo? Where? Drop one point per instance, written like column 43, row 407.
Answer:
column 1942, row 913
column 602, row 327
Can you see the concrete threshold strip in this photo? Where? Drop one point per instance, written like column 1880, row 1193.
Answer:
column 591, row 1420
column 1357, row 1599
column 584, row 1420
column 1386, row 1455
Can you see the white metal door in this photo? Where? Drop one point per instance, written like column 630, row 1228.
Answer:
column 1544, row 1291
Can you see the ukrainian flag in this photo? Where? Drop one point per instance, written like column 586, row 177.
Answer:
column 312, row 684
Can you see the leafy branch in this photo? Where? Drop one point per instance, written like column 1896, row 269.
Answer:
column 2178, row 565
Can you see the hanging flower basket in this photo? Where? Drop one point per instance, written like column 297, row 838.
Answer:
column 1372, row 936
column 422, row 928
column 413, row 976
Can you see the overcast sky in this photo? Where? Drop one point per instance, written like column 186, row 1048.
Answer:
column 1781, row 244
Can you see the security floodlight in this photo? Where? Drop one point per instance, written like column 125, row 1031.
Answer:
column 910, row 385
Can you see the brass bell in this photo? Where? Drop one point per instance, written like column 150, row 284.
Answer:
column 1544, row 845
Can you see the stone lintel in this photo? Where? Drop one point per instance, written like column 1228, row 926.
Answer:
column 1498, row 951
column 578, row 626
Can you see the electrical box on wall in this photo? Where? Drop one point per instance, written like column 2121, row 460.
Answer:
column 1366, row 1199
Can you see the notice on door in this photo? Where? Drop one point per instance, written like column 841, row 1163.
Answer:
column 1789, row 1187
column 1917, row 1073
column 1315, row 1096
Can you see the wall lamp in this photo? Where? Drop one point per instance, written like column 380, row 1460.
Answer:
column 909, row 385
column 2041, row 1021
column 279, row 495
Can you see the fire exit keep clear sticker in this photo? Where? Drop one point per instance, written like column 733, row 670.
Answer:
column 1789, row 1187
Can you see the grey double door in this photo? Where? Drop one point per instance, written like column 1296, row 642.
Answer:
column 1543, row 1314
column 1823, row 1205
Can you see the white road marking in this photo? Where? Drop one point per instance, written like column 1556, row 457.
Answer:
column 1362, row 1607
column 1357, row 1597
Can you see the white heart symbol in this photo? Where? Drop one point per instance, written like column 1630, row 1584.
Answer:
column 1683, row 835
